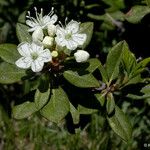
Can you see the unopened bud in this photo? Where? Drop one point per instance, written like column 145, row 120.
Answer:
column 81, row 56
column 48, row 42
column 51, row 29
column 54, row 54
column 37, row 35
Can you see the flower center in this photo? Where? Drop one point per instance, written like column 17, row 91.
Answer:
column 68, row 36
column 34, row 56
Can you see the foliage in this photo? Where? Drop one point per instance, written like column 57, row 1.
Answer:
column 112, row 90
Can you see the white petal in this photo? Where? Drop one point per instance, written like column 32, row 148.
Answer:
column 33, row 29
column 72, row 26
column 60, row 41
column 45, row 55
column 24, row 62
column 79, row 38
column 37, row 65
column 46, row 19
column 31, row 23
column 35, row 48
column 72, row 45
column 53, row 19
column 24, row 49
column 60, row 31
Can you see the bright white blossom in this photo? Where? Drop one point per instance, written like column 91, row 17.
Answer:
column 81, row 56
column 40, row 20
column 37, row 35
column 51, row 29
column 33, row 56
column 70, row 36
column 48, row 41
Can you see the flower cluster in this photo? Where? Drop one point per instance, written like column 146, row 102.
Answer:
column 50, row 41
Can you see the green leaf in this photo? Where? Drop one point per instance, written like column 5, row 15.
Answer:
column 103, row 73
column 22, row 17
column 87, row 28
column 100, row 98
column 113, row 61
column 136, row 13
column 110, row 105
column 137, row 97
column 58, row 106
column 120, row 124
column 10, row 73
column 22, row 33
column 43, row 92
column 75, row 114
column 115, row 5
column 142, row 64
column 128, row 59
column 148, row 2
column 94, row 63
column 86, row 111
column 146, row 89
column 24, row 110
column 9, row 53
column 41, row 98
column 84, row 81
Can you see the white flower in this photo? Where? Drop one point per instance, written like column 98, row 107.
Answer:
column 40, row 20
column 70, row 36
column 48, row 41
column 37, row 35
column 33, row 56
column 51, row 29
column 81, row 56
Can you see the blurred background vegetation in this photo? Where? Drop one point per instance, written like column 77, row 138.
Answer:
column 92, row 133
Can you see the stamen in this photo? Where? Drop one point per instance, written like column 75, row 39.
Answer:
column 29, row 13
column 35, row 9
column 66, row 21
column 51, row 12
column 61, row 24
column 42, row 11
column 37, row 15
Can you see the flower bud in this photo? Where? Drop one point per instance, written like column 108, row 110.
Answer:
column 54, row 54
column 51, row 29
column 48, row 42
column 81, row 56
column 37, row 35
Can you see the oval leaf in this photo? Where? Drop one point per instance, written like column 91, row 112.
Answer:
column 86, row 111
column 84, row 81
column 120, row 124
column 75, row 114
column 58, row 106
column 9, row 53
column 94, row 63
column 10, row 73
column 24, row 110
column 41, row 98
column 87, row 28
column 136, row 13
column 110, row 105
column 101, row 98
column 113, row 61
column 22, row 33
